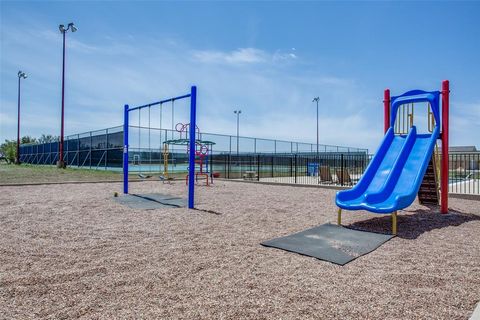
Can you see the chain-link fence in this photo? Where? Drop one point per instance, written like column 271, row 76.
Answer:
column 100, row 149
column 103, row 149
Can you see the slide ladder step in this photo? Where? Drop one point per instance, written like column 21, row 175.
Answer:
column 428, row 193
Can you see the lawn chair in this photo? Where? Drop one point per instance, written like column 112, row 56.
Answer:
column 343, row 177
column 325, row 174
column 165, row 179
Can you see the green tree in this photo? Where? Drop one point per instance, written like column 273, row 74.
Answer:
column 47, row 138
column 8, row 149
column 27, row 139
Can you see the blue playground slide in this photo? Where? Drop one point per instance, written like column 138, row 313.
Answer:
column 394, row 175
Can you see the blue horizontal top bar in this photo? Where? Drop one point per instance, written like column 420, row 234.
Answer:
column 159, row 102
column 416, row 96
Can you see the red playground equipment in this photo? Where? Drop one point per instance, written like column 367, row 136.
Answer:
column 203, row 149
column 201, row 153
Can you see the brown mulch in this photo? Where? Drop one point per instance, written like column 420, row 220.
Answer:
column 70, row 251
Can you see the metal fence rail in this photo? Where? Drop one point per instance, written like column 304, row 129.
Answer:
column 464, row 173
column 343, row 169
column 333, row 169
column 326, row 168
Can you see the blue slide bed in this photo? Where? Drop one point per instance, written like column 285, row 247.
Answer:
column 394, row 175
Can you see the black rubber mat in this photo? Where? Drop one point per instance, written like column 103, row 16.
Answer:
column 330, row 242
column 151, row 201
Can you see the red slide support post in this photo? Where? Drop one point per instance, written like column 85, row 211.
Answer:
column 445, row 173
column 386, row 110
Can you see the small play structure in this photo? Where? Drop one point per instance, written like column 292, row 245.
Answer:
column 406, row 163
column 190, row 141
column 203, row 149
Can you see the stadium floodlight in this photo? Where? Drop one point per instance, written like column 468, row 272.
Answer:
column 70, row 26
column 316, row 99
column 22, row 74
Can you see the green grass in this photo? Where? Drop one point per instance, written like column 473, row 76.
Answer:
column 25, row 173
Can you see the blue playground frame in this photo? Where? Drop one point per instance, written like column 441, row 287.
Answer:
column 191, row 161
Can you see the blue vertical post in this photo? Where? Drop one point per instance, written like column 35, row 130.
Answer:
column 125, row 149
column 191, row 161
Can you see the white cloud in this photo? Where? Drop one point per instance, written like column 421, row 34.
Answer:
column 239, row 56
column 285, row 56
column 242, row 56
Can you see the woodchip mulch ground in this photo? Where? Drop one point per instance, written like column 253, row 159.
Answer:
column 70, row 251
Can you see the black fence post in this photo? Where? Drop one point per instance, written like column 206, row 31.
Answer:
column 90, row 152
column 342, row 168
column 211, row 166
column 106, row 149
column 272, row 166
column 291, row 166
column 305, row 163
column 295, row 160
column 78, row 150
column 258, row 167
column 228, row 166
column 224, row 159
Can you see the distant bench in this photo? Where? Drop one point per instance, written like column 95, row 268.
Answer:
column 250, row 175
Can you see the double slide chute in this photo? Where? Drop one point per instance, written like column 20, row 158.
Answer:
column 395, row 174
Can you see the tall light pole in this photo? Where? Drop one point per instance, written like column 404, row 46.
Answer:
column 70, row 26
column 237, row 112
column 21, row 75
column 316, row 100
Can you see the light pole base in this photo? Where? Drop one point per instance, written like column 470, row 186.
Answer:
column 61, row 164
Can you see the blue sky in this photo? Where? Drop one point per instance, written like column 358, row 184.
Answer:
column 267, row 58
